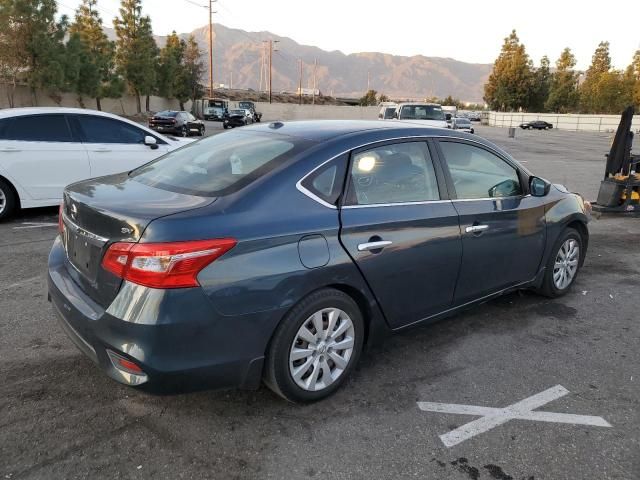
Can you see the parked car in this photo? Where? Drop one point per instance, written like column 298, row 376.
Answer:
column 428, row 114
column 44, row 149
column 195, row 268
column 386, row 112
column 177, row 122
column 237, row 118
column 257, row 116
column 460, row 123
column 536, row 125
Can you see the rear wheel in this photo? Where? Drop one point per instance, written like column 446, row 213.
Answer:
column 201, row 131
column 184, row 132
column 8, row 200
column 563, row 264
column 315, row 347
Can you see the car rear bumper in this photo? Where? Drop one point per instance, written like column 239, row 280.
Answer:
column 165, row 128
column 179, row 342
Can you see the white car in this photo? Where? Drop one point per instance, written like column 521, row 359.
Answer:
column 42, row 150
column 428, row 114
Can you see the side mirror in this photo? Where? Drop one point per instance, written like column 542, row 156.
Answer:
column 538, row 187
column 151, row 142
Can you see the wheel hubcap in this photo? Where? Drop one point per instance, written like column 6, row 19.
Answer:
column 3, row 201
column 566, row 264
column 321, row 349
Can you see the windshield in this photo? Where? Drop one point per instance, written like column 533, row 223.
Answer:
column 167, row 113
column 421, row 112
column 216, row 103
column 462, row 121
column 236, row 112
column 220, row 164
column 245, row 104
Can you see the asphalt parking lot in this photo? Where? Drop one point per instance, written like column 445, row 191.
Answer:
column 60, row 417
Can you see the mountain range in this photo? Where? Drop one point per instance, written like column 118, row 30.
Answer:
column 337, row 74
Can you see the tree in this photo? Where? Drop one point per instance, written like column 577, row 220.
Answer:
column 603, row 88
column 509, row 85
column 632, row 80
column 383, row 98
column 541, row 86
column 136, row 50
column 170, row 65
column 188, row 84
column 563, row 91
column 31, row 44
column 97, row 69
column 369, row 99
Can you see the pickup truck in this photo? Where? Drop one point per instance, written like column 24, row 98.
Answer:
column 257, row 116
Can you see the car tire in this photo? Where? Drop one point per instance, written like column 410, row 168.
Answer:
column 184, row 132
column 337, row 313
column 8, row 200
column 553, row 285
column 201, row 131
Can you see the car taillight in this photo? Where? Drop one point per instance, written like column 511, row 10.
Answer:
column 164, row 265
column 60, row 219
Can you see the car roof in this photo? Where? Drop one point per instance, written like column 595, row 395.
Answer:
column 323, row 130
column 14, row 112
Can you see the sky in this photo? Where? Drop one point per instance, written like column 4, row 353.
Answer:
column 467, row 30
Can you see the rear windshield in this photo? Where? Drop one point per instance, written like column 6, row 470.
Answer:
column 421, row 112
column 219, row 165
column 167, row 113
column 462, row 120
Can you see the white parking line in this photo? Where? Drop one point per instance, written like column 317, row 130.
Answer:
column 20, row 283
column 35, row 225
column 493, row 417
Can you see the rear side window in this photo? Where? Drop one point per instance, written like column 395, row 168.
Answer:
column 220, row 164
column 396, row 173
column 108, row 130
column 326, row 182
column 36, row 128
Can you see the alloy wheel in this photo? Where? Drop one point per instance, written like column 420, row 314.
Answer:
column 566, row 264
column 321, row 349
column 3, row 202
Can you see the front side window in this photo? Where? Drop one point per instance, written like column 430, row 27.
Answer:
column 36, row 128
column 108, row 130
column 396, row 173
column 478, row 173
column 220, row 164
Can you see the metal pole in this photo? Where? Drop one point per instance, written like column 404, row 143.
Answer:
column 315, row 67
column 270, row 66
column 211, row 12
column 300, row 82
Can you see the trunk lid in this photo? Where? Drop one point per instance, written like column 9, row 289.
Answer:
column 102, row 211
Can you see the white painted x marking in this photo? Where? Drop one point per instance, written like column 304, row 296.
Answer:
column 493, row 417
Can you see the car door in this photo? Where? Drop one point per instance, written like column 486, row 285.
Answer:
column 40, row 154
column 115, row 146
column 401, row 230
column 503, row 228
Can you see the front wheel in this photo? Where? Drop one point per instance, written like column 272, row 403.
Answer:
column 8, row 201
column 184, row 132
column 563, row 264
column 315, row 347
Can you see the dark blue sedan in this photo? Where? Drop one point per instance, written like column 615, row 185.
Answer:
column 277, row 252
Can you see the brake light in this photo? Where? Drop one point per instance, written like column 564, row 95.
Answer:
column 164, row 265
column 60, row 219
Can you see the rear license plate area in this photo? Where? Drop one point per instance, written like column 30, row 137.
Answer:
column 82, row 254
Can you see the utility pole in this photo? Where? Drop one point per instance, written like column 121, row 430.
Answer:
column 271, row 42
column 300, row 83
column 368, row 81
column 231, row 81
column 211, row 12
column 315, row 68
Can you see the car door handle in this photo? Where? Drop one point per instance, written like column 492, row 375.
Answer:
column 9, row 149
column 366, row 247
column 476, row 228
column 101, row 150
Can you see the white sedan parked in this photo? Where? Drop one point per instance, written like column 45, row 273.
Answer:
column 42, row 150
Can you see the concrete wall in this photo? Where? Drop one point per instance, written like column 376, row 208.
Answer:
column 292, row 111
column 127, row 106
column 121, row 106
column 592, row 123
